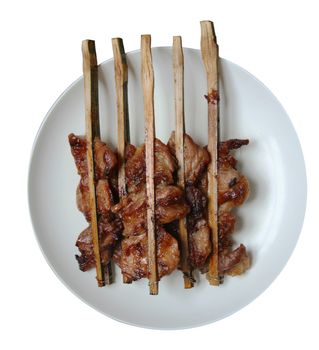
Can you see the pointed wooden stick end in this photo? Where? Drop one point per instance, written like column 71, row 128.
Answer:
column 188, row 281
column 153, row 288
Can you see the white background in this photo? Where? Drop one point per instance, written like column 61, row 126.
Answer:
column 40, row 56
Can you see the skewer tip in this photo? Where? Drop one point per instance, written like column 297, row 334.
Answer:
column 100, row 283
column 207, row 27
column 188, row 281
column 108, row 274
column 153, row 288
column 146, row 41
column 177, row 38
column 206, row 21
column 213, row 280
column 88, row 44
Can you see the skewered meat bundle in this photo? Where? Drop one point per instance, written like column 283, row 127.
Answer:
column 233, row 190
column 109, row 225
column 130, row 212
column 196, row 160
column 156, row 207
column 170, row 205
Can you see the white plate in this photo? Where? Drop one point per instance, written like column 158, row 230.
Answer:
column 268, row 223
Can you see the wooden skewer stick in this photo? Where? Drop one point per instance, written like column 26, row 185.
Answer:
column 92, row 131
column 123, row 127
column 209, row 49
column 148, row 91
column 178, row 68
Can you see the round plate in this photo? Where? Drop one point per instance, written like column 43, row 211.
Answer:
column 268, row 223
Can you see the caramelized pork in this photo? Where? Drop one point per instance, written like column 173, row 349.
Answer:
column 109, row 226
column 105, row 159
column 104, row 197
column 233, row 190
column 196, row 161
column 170, row 205
column 196, row 158
column 135, row 168
column 123, row 228
column 132, row 255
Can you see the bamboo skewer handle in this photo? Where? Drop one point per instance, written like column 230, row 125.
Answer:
column 209, row 50
column 92, row 131
column 148, row 91
column 123, row 128
column 178, row 70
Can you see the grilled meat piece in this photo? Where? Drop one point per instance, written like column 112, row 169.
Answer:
column 233, row 262
column 196, row 161
column 199, row 244
column 104, row 197
column 196, row 158
column 198, row 204
column 170, row 205
column 131, row 256
column 105, row 158
column 109, row 226
column 224, row 157
column 135, row 168
column 197, row 227
column 105, row 175
column 233, row 190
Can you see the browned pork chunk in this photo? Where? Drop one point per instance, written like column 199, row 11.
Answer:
column 196, row 161
column 170, row 205
column 110, row 228
column 131, row 254
column 135, row 169
column 109, row 225
column 233, row 190
column 123, row 226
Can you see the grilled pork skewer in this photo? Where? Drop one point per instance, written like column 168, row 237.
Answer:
column 209, row 49
column 92, row 131
column 151, row 210
column 123, row 127
column 148, row 91
column 178, row 67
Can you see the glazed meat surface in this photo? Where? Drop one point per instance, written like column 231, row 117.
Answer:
column 135, row 169
column 131, row 256
column 109, row 226
column 233, row 190
column 105, row 158
column 122, row 226
column 170, row 205
column 103, row 193
column 105, row 172
column 196, row 159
